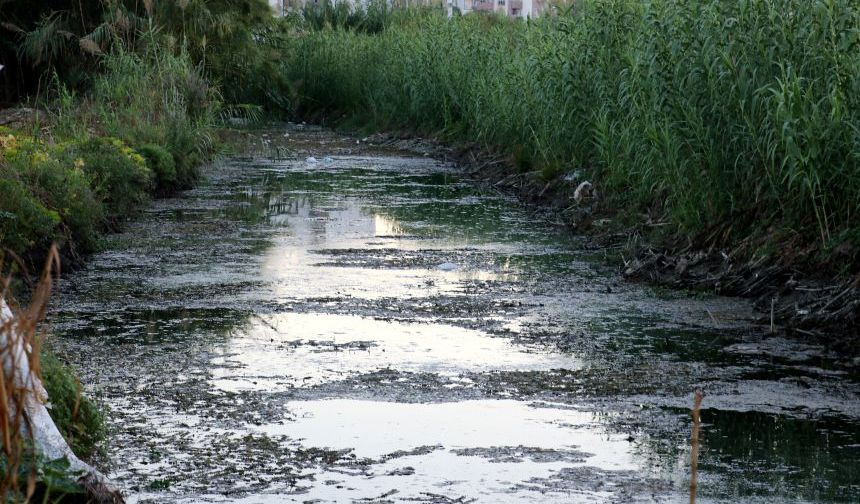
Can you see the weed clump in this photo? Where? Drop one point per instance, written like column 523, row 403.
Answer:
column 161, row 162
column 118, row 174
column 25, row 224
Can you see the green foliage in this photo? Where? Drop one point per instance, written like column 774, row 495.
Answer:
column 38, row 39
column 159, row 97
column 234, row 43
column 371, row 17
column 729, row 119
column 76, row 416
column 118, row 175
column 156, row 97
column 64, row 188
column 160, row 161
column 66, row 192
column 237, row 43
column 92, row 178
column 25, row 224
column 49, row 197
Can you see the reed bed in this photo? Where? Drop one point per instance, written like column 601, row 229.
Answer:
column 723, row 120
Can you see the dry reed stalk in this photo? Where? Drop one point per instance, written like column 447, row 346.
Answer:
column 694, row 443
column 20, row 381
column 24, row 419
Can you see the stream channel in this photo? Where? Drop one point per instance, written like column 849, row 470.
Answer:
column 372, row 326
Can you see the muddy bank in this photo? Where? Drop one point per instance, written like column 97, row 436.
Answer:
column 326, row 320
column 791, row 295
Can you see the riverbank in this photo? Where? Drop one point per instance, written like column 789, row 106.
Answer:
column 77, row 169
column 815, row 307
column 116, row 105
column 83, row 165
column 736, row 175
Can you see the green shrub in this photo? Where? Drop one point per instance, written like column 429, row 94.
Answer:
column 45, row 175
column 76, row 416
column 62, row 186
column 118, row 175
column 161, row 162
column 25, row 224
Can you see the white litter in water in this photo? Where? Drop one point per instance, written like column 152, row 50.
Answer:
column 311, row 159
column 447, row 266
column 327, row 160
column 584, row 190
column 573, row 176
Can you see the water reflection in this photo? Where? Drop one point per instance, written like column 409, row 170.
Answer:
column 340, row 248
column 815, row 459
column 290, row 350
column 459, row 449
column 251, row 333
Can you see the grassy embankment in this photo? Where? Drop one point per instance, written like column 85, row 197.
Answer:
column 735, row 125
column 84, row 178
column 142, row 130
column 135, row 134
column 133, row 95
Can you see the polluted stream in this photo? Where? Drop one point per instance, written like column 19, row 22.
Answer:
column 325, row 321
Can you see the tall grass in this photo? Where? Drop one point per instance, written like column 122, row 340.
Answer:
column 369, row 17
column 155, row 95
column 144, row 128
column 726, row 119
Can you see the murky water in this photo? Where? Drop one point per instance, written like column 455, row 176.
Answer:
column 375, row 328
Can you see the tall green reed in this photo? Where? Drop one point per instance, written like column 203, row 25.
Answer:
column 728, row 119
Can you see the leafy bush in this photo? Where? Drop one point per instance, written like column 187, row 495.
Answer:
column 25, row 224
column 161, row 162
column 65, row 189
column 118, row 175
column 49, row 197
